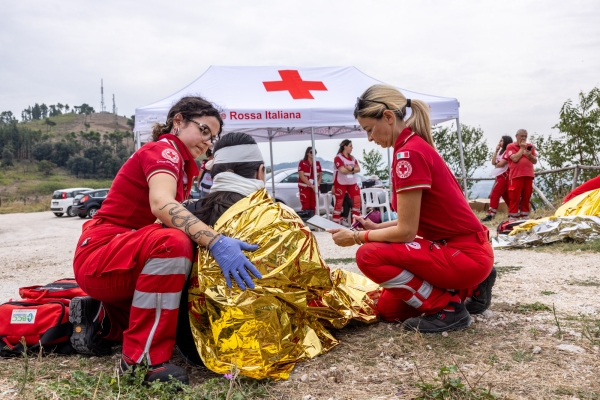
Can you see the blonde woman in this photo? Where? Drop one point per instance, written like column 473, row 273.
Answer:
column 437, row 254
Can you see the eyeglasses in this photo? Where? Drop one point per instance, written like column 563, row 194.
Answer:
column 205, row 132
column 360, row 104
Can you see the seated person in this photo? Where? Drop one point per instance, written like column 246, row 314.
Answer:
column 263, row 331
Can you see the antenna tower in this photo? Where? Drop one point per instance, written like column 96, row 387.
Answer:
column 102, row 108
column 115, row 110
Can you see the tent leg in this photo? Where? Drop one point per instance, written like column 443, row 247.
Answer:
column 312, row 138
column 138, row 140
column 389, row 167
column 462, row 157
column 272, row 172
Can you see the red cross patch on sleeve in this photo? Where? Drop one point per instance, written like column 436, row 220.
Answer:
column 403, row 169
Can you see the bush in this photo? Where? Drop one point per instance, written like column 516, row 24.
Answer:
column 46, row 167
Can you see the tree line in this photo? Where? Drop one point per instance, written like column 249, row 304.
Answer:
column 42, row 111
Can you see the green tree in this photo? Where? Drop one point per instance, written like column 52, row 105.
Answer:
column 61, row 153
column 80, row 166
column 44, row 110
column 475, row 150
column 48, row 122
column 7, row 157
column 131, row 122
column 42, row 151
column 36, row 112
column 372, row 164
column 46, row 167
column 7, row 117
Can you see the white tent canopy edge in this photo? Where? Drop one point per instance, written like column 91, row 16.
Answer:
column 287, row 103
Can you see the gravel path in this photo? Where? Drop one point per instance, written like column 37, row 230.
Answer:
column 37, row 248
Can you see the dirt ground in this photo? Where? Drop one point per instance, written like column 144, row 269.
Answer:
column 517, row 347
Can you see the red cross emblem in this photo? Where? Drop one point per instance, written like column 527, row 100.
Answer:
column 170, row 155
column 292, row 82
column 403, row 169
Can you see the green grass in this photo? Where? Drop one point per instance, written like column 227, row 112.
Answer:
column 585, row 282
column 508, row 269
column 347, row 260
column 569, row 246
column 533, row 307
column 547, row 292
column 449, row 386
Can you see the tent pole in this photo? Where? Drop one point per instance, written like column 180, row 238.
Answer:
column 462, row 157
column 316, row 184
column 138, row 140
column 389, row 167
column 272, row 172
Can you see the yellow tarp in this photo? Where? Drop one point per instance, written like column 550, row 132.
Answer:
column 265, row 331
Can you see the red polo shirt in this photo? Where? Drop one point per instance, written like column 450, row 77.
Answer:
column 445, row 212
column 128, row 202
column 306, row 167
column 523, row 167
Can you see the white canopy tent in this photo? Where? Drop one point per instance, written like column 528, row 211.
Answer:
column 287, row 103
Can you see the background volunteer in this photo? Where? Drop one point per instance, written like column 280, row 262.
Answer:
column 306, row 181
column 424, row 279
column 520, row 157
column 204, row 181
column 500, row 188
column 135, row 269
column 344, row 181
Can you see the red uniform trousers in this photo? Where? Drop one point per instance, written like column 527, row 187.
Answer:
column 423, row 276
column 519, row 191
column 500, row 189
column 339, row 192
column 138, row 275
column 307, row 198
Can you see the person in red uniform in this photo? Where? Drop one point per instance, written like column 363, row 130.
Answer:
column 306, row 181
column 437, row 254
column 592, row 184
column 344, row 181
column 500, row 188
column 134, row 269
column 521, row 156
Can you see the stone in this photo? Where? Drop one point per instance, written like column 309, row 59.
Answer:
column 571, row 348
column 445, row 334
column 487, row 314
column 536, row 350
column 304, row 377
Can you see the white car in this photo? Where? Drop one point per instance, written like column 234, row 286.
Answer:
column 286, row 186
column 62, row 201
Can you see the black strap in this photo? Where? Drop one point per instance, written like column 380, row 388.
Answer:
column 51, row 335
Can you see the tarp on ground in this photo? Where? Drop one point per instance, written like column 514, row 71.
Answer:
column 285, row 102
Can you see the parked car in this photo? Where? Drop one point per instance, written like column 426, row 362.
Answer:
column 286, row 186
column 62, row 201
column 88, row 203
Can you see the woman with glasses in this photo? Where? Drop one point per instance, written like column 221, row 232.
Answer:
column 307, row 186
column 133, row 268
column 344, row 180
column 437, row 254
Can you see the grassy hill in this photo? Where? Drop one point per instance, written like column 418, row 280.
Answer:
column 100, row 122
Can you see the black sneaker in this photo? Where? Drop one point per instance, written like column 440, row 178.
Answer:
column 488, row 218
column 441, row 321
column 482, row 297
column 164, row 372
column 87, row 329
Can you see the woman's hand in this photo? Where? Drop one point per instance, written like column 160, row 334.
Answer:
column 342, row 237
column 228, row 254
column 499, row 146
column 364, row 223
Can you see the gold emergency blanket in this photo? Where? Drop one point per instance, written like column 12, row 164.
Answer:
column 263, row 332
column 578, row 219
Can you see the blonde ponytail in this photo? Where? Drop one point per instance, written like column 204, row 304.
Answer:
column 378, row 98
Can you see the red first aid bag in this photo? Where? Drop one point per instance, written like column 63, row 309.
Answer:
column 61, row 290
column 43, row 324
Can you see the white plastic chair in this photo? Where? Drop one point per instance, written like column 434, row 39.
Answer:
column 372, row 198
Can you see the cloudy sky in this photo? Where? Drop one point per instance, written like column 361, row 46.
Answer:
column 511, row 64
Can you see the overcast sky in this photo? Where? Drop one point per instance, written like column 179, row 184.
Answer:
column 511, row 64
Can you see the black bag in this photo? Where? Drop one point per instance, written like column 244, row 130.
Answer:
column 346, row 206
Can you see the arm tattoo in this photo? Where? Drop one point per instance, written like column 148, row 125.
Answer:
column 183, row 219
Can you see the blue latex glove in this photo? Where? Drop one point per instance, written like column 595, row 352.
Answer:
column 228, row 254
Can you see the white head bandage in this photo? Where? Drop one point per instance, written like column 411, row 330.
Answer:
column 239, row 153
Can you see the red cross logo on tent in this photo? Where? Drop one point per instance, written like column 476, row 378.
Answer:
column 292, row 82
